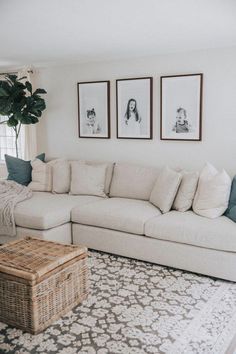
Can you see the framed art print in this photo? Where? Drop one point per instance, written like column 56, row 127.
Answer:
column 181, row 107
column 134, row 108
column 94, row 109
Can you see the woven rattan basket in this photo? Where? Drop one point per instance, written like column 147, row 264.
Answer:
column 40, row 281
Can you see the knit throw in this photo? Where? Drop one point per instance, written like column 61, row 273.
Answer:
column 11, row 193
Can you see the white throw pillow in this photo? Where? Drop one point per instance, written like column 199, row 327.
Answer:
column 41, row 175
column 186, row 192
column 87, row 179
column 212, row 196
column 165, row 189
column 61, row 177
column 109, row 172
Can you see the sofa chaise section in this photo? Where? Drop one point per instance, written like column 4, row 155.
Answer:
column 47, row 215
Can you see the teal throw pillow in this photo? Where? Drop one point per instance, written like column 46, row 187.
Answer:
column 231, row 211
column 20, row 170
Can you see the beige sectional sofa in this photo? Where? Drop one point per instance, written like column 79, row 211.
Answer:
column 127, row 224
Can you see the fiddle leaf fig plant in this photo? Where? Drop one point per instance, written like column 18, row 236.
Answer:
column 19, row 104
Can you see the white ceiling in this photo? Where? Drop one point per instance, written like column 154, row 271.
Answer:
column 36, row 32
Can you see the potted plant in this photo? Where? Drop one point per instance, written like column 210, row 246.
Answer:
column 19, row 104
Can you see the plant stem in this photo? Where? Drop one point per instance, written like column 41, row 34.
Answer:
column 17, row 136
column 18, row 130
column 16, row 143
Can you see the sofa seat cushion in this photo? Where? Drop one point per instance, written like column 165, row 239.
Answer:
column 133, row 181
column 128, row 215
column 192, row 229
column 46, row 210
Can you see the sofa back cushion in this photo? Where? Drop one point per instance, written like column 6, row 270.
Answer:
column 61, row 177
column 132, row 181
column 87, row 179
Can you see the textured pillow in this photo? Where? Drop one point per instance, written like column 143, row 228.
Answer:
column 20, row 170
column 61, row 177
column 88, row 180
column 185, row 195
column 212, row 196
column 165, row 189
column 231, row 211
column 41, row 175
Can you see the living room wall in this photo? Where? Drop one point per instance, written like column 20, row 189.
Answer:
column 58, row 129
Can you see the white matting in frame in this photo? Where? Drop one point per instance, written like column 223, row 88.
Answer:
column 94, row 109
column 181, row 107
column 134, row 108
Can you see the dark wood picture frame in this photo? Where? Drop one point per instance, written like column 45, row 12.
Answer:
column 108, row 135
column 199, row 138
column 118, row 136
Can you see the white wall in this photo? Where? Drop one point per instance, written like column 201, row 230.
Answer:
column 3, row 170
column 58, row 129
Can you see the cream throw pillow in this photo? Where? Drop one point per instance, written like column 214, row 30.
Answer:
column 41, row 175
column 165, row 189
column 109, row 172
column 186, row 192
column 87, row 179
column 61, row 177
column 212, row 196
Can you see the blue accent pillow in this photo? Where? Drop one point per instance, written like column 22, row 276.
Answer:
column 20, row 170
column 231, row 211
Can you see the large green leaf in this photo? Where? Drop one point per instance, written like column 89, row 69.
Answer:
column 20, row 86
column 40, row 104
column 39, row 91
column 12, row 122
column 3, row 92
column 26, row 119
column 6, row 106
column 11, row 77
column 28, row 86
column 35, row 112
column 29, row 119
column 5, row 85
column 22, row 78
column 34, row 120
column 18, row 116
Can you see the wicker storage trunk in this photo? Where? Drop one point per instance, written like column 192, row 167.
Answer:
column 40, row 281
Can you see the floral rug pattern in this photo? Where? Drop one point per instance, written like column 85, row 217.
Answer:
column 136, row 308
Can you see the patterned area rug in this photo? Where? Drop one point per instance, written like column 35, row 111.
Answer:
column 135, row 308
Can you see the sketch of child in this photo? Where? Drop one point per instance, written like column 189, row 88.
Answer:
column 181, row 125
column 132, row 119
column 91, row 122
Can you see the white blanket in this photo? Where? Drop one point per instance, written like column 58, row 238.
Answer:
column 11, row 193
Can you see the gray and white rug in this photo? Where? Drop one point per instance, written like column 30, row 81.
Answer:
column 135, row 308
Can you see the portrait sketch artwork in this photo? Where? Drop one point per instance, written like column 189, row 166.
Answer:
column 134, row 108
column 93, row 104
column 181, row 107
